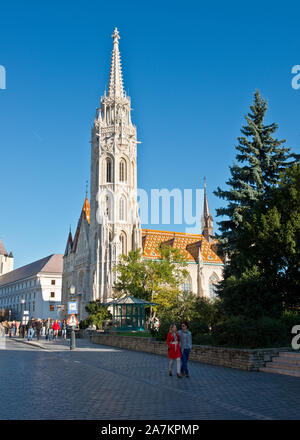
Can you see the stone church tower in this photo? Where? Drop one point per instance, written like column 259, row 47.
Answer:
column 115, row 226
column 109, row 225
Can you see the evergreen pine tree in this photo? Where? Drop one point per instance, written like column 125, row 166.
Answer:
column 260, row 159
column 263, row 276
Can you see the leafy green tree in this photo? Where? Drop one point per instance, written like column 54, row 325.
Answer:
column 152, row 280
column 131, row 276
column 97, row 314
column 260, row 159
column 263, row 277
column 168, row 271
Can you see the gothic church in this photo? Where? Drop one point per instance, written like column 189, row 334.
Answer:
column 109, row 225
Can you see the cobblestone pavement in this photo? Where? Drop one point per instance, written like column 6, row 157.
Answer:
column 98, row 382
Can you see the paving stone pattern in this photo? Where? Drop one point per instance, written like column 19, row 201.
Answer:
column 48, row 381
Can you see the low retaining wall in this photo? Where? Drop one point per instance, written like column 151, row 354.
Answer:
column 242, row 359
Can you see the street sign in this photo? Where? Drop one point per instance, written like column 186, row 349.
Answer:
column 60, row 307
column 72, row 320
column 26, row 312
column 72, row 307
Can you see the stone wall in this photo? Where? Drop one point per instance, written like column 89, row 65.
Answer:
column 242, row 359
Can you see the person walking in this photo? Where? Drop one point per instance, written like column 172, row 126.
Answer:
column 55, row 328
column 173, row 342
column 185, row 347
column 13, row 329
column 38, row 328
column 43, row 330
column 64, row 329
column 5, row 325
column 30, row 329
column 48, row 329
column 2, row 331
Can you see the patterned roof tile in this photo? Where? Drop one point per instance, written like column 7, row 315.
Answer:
column 188, row 244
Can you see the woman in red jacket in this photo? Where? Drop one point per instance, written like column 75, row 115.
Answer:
column 173, row 341
column 55, row 328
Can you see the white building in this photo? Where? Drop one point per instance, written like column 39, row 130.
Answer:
column 38, row 284
column 110, row 225
column 6, row 260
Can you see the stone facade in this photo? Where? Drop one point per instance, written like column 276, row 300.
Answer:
column 35, row 288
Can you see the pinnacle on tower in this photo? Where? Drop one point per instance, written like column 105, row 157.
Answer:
column 3, row 251
column 115, row 88
column 207, row 220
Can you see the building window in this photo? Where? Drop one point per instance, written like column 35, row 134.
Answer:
column 123, row 240
column 186, row 287
column 51, row 308
column 108, row 170
column 122, row 209
column 213, row 281
column 52, row 295
column 108, row 207
column 53, row 282
column 122, row 171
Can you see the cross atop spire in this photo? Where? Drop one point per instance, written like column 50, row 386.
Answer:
column 115, row 88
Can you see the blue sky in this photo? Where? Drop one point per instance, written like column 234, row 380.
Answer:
column 191, row 69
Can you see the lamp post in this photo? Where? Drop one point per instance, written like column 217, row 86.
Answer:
column 22, row 306
column 72, row 339
column 21, row 324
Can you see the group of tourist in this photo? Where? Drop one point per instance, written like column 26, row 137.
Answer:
column 48, row 328
column 180, row 344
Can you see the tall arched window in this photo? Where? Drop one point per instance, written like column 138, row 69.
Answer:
column 123, row 240
column 133, row 174
column 122, row 209
column 122, row 170
column 108, row 207
column 108, row 170
column 213, row 281
column 187, row 285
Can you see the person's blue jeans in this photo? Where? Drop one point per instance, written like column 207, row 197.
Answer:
column 30, row 333
column 184, row 360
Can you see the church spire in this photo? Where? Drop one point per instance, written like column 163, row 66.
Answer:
column 207, row 220
column 206, row 212
column 115, row 88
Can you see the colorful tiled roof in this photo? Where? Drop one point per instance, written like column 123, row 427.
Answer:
column 87, row 210
column 85, row 214
column 188, row 244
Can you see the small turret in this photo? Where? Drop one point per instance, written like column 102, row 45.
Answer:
column 6, row 260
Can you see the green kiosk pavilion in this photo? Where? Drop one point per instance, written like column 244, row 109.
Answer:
column 129, row 313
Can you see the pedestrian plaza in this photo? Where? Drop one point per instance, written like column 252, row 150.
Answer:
column 45, row 380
